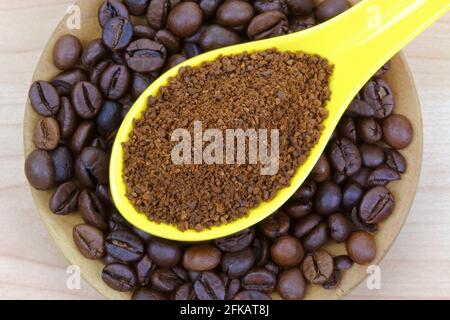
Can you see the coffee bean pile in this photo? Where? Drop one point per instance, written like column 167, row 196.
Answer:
column 343, row 201
column 265, row 90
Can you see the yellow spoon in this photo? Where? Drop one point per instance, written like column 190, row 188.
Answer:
column 358, row 42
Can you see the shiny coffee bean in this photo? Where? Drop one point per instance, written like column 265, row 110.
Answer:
column 347, row 129
column 86, row 99
column 232, row 287
column 318, row 267
column 89, row 240
column 144, row 269
column 109, row 120
column 321, row 171
column 44, row 99
column 361, row 247
column 345, row 156
column 63, row 164
column 111, row 9
column 351, row 195
column 301, row 23
column 175, row 60
column 157, row 13
column 251, row 295
column 369, row 130
column 191, row 50
column 182, row 273
column 360, row 225
column 65, row 199
column 145, row 55
column 360, row 108
column 185, row 19
column 92, row 167
column 361, row 177
column 137, row 7
column 340, row 227
column 115, row 81
column 146, row 237
column 117, row 222
column 215, row 37
column 235, row 13
column 95, row 52
column 39, row 170
column 339, row 177
column 259, row 279
column 82, row 136
column 201, row 257
column 342, row 262
column 142, row 31
column 67, row 118
column 300, row 7
column 276, row 225
column 117, row 33
column 168, row 40
column 140, row 83
column 209, row 7
column 379, row 95
column 98, row 70
column 165, row 254
column 297, row 210
column 65, row 81
column 271, row 5
column 372, row 155
column 185, row 292
column 397, row 131
column 261, row 250
column 209, row 286
column 236, row 242
column 124, row 246
column 291, row 284
column 330, row 8
column 305, row 225
column 328, row 198
column 333, row 281
column 287, row 251
column 46, row 134
column 119, row 277
column 237, row 264
column 382, row 175
column 306, row 191
column 92, row 210
column 165, row 280
column 66, row 52
column 376, row 205
column 317, row 238
column 395, row 160
column 266, row 25
column 148, row 294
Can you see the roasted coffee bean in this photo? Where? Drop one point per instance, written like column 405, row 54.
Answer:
column 236, row 242
column 98, row 70
column 146, row 237
column 345, row 156
column 82, row 136
column 342, row 262
column 234, row 13
column 259, row 279
column 360, row 108
column 63, row 164
column 372, row 155
column 328, row 198
column 185, row 292
column 376, row 205
column 103, row 192
column 39, row 170
column 124, row 246
column 111, row 9
column 142, row 31
column 144, row 269
column 272, row 267
column 165, row 254
column 351, row 195
column 215, row 37
column 361, row 177
column 195, row 38
column 382, row 175
column 237, row 264
column 347, row 129
column 209, row 286
column 369, row 130
column 115, row 81
column 305, row 225
column 268, row 24
column 66, row 52
column 119, row 277
column 91, row 167
column 117, row 222
column 108, row 120
column 118, row 57
column 65, row 81
column 232, row 287
column 145, row 55
column 209, row 7
column 317, row 238
column 397, row 131
column 271, row 5
column 361, row 247
column 201, row 257
column 331, row 8
column 276, row 225
column 89, row 240
column 360, row 225
column 65, row 199
column 92, row 210
column 67, row 118
column 251, row 295
column 140, row 83
column 175, row 60
column 378, row 94
column 291, row 284
column 194, row 275
column 318, row 267
column 300, row 7
column 333, row 281
column 306, row 191
column 137, row 7
column 321, row 171
column 165, row 280
column 395, row 160
column 46, row 134
column 168, row 40
column 125, row 110
column 185, row 19
column 385, row 68
column 86, row 99
column 95, row 52
column 287, row 251
column 191, row 50
column 157, row 13
column 181, row 272
column 148, row 294
column 339, row 177
column 297, row 209
column 118, row 33
column 301, row 23
column 340, row 227
column 44, row 99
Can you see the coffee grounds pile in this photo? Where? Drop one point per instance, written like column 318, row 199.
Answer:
column 266, row 90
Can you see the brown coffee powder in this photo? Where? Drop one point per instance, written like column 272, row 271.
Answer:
column 265, row 90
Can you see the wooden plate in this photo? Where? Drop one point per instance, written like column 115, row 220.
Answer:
column 60, row 227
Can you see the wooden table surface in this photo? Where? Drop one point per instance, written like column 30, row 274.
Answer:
column 32, row 267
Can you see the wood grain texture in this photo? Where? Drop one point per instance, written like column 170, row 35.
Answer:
column 32, row 267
